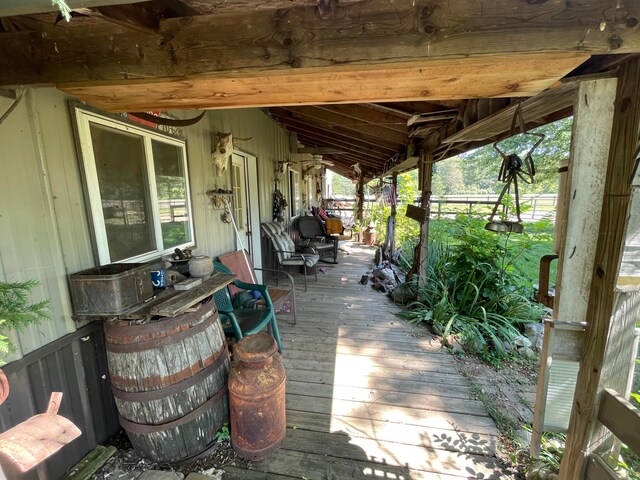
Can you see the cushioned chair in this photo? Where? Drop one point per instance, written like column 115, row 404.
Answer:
column 285, row 250
column 245, row 321
column 311, row 231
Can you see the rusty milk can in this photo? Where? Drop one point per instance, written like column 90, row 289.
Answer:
column 257, row 397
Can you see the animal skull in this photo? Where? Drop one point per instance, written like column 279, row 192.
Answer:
column 224, row 149
column 222, row 152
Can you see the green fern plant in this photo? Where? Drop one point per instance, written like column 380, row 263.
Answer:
column 17, row 311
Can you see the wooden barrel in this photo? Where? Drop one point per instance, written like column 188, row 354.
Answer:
column 169, row 380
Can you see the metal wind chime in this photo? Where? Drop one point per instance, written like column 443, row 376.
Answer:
column 513, row 168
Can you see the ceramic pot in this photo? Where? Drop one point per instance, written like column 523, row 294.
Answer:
column 200, row 266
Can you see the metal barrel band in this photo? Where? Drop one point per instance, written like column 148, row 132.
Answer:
column 143, row 429
column 163, row 341
column 150, row 395
column 169, row 325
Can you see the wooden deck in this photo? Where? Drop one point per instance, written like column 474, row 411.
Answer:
column 368, row 395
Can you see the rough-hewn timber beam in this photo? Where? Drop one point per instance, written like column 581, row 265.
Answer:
column 297, row 38
column 286, row 57
column 311, row 140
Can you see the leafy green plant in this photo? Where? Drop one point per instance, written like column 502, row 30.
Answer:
column 223, row 435
column 16, row 311
column 473, row 290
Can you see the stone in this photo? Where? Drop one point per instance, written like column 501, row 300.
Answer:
column 535, row 333
column 160, row 475
column 403, row 294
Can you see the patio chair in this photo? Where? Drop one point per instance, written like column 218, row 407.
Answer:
column 241, row 264
column 285, row 251
column 245, row 321
column 311, row 230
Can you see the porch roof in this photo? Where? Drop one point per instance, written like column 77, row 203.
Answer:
column 372, row 79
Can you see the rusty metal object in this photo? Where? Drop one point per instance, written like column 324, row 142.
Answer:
column 34, row 440
column 543, row 281
column 257, row 397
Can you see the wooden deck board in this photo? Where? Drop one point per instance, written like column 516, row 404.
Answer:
column 369, row 395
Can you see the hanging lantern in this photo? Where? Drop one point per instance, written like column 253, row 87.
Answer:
column 513, row 168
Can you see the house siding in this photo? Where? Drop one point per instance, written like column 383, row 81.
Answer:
column 45, row 234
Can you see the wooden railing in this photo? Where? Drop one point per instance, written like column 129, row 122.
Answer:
column 623, row 420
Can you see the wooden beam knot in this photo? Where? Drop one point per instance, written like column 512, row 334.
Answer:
column 615, row 42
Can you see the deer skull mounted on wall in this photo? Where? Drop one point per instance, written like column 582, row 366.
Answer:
column 223, row 150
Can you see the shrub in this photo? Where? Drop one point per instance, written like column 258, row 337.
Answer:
column 473, row 290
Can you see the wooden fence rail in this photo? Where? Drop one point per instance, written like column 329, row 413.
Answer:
column 623, row 420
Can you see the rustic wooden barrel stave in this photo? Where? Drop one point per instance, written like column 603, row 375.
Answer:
column 169, row 380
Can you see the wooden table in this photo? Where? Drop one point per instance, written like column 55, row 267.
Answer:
column 168, row 302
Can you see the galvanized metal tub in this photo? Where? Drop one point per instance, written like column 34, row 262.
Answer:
column 169, row 381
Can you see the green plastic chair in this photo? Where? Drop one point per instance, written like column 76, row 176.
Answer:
column 245, row 321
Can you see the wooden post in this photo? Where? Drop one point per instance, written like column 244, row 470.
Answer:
column 611, row 236
column 394, row 209
column 425, row 176
column 360, row 207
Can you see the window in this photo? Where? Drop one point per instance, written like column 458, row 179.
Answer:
column 294, row 185
column 137, row 188
column 237, row 177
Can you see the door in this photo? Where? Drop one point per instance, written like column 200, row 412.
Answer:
column 246, row 209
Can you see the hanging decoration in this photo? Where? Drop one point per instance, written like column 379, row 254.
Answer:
column 279, row 206
column 513, row 168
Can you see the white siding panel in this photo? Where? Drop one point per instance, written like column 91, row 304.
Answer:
column 29, row 243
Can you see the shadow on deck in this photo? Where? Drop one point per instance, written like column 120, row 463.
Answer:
column 370, row 396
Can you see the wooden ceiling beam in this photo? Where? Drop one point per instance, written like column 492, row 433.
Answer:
column 382, row 33
column 362, row 112
column 319, row 141
column 340, row 123
column 357, row 140
column 385, row 52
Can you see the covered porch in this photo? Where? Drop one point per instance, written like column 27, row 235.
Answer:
column 369, row 395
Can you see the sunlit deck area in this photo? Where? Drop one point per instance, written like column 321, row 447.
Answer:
column 370, row 396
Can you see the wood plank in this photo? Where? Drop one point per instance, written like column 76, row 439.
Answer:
column 365, row 363
column 183, row 301
column 381, row 357
column 597, row 469
column 316, row 466
column 391, row 453
column 396, row 343
column 443, row 385
column 611, row 237
column 368, row 396
column 296, row 37
column 622, row 418
column 491, row 76
column 374, row 370
column 394, row 414
column 451, row 439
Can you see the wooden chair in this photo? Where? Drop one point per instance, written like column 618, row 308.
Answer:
column 245, row 321
column 285, row 250
column 241, row 265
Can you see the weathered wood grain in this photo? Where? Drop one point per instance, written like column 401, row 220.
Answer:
column 621, row 418
column 501, row 75
column 611, row 236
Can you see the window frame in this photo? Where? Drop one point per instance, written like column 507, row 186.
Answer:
column 82, row 118
column 294, row 193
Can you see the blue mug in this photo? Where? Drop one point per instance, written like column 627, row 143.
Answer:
column 159, row 278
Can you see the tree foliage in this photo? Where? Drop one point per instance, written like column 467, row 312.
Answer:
column 480, row 167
